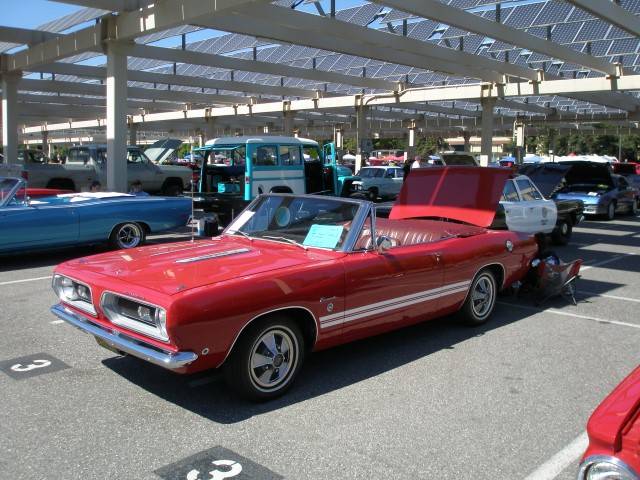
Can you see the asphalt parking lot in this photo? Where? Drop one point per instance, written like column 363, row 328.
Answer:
column 509, row 400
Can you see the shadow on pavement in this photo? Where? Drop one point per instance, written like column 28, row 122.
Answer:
column 324, row 372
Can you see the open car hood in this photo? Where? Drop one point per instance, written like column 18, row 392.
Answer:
column 162, row 149
column 592, row 173
column 464, row 194
column 546, row 176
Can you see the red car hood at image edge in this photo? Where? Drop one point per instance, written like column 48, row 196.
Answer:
column 615, row 421
column 176, row 267
column 465, row 194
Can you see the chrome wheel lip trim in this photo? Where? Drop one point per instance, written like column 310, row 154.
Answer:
column 283, row 378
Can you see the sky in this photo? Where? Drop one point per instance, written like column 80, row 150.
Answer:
column 31, row 13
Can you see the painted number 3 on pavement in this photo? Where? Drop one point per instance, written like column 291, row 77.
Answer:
column 18, row 367
column 234, row 469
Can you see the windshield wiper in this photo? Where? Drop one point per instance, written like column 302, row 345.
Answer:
column 285, row 239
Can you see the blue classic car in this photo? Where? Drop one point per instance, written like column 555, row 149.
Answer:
column 82, row 218
column 602, row 192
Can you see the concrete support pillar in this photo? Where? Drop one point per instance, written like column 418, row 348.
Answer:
column 411, row 143
column 209, row 130
column 9, row 83
column 486, row 143
column 116, row 117
column 518, row 132
column 287, row 123
column 46, row 147
column 467, row 140
column 339, row 137
column 362, row 133
column 133, row 134
column 552, row 145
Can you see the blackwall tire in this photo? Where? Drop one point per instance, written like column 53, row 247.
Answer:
column 562, row 234
column 611, row 211
column 266, row 359
column 481, row 299
column 127, row 235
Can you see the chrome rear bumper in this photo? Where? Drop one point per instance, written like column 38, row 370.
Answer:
column 124, row 344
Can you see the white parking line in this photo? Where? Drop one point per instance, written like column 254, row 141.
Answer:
column 568, row 314
column 56, row 322
column 561, row 460
column 614, row 297
column 25, row 280
column 604, row 262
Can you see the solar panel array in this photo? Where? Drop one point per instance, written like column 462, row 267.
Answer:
column 560, row 21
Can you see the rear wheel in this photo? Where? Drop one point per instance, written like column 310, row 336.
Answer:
column 562, row 234
column 266, row 359
column 481, row 299
column 127, row 235
column 172, row 189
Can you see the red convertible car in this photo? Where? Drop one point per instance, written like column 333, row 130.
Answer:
column 614, row 435
column 297, row 273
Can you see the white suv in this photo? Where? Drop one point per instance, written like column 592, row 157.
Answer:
column 379, row 182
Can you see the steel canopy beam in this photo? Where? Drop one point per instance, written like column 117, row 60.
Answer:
column 398, row 99
column 111, row 5
column 162, row 15
column 25, row 36
column 184, row 80
column 171, row 55
column 457, row 17
column 290, row 26
column 79, row 88
column 612, row 13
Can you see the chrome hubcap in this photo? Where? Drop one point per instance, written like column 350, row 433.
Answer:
column 564, row 228
column 273, row 358
column 129, row 236
column 482, row 296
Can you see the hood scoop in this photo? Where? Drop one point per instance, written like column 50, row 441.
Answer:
column 209, row 256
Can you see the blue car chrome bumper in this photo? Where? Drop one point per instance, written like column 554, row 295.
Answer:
column 124, row 344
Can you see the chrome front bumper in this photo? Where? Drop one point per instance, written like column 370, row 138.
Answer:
column 124, row 344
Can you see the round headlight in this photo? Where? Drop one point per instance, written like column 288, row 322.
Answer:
column 608, row 471
column 66, row 288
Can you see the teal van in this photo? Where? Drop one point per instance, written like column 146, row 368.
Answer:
column 237, row 169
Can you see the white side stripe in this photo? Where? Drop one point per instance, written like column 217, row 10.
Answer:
column 392, row 304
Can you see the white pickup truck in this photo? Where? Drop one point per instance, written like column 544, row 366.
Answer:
column 86, row 164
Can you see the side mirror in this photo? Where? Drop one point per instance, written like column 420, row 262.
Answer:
column 383, row 244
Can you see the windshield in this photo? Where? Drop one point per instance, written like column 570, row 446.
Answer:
column 371, row 172
column 7, row 187
column 303, row 220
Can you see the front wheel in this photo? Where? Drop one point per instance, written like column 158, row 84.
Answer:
column 634, row 207
column 266, row 359
column 127, row 235
column 372, row 194
column 562, row 234
column 480, row 300
column 611, row 211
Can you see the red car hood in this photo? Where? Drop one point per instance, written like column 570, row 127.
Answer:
column 607, row 423
column 176, row 267
column 465, row 194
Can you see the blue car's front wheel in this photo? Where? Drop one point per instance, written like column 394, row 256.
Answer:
column 127, row 235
